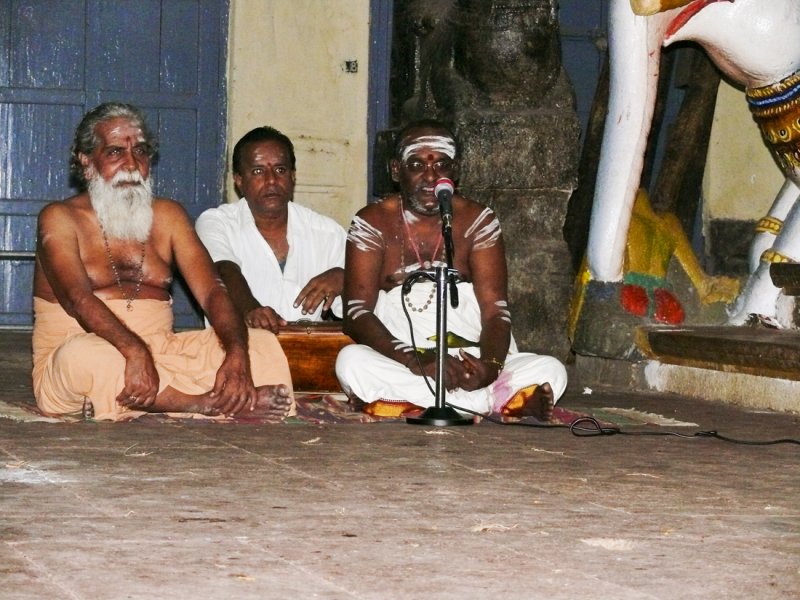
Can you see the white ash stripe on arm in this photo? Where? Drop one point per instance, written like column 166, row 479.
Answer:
column 356, row 309
column 505, row 314
column 365, row 237
column 486, row 234
column 401, row 346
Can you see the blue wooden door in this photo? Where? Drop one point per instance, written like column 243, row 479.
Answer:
column 58, row 59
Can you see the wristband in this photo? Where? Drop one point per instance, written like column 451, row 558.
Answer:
column 495, row 362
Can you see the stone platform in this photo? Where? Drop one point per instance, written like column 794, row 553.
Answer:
column 751, row 367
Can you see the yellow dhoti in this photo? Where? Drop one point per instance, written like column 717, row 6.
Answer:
column 71, row 366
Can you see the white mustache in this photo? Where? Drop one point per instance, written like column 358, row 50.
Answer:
column 127, row 177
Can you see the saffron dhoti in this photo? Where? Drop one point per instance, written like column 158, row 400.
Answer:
column 71, row 366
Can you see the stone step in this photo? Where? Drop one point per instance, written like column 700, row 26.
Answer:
column 753, row 350
column 753, row 367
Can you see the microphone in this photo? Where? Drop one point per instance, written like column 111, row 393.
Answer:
column 444, row 193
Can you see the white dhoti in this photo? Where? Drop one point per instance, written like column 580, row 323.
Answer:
column 370, row 376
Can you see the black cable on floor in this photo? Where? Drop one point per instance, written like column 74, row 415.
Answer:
column 591, row 427
column 578, row 428
column 582, row 426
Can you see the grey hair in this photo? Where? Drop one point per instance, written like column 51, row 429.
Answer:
column 86, row 136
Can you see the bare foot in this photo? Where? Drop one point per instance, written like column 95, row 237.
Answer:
column 540, row 404
column 272, row 401
column 534, row 401
column 356, row 403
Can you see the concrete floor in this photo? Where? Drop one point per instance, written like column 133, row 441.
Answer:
column 155, row 509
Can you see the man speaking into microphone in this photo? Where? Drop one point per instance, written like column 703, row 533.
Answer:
column 383, row 372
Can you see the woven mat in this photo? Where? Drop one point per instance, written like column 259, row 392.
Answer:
column 312, row 408
column 333, row 408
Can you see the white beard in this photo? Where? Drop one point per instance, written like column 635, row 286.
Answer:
column 125, row 212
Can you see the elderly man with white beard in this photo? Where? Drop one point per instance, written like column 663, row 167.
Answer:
column 103, row 340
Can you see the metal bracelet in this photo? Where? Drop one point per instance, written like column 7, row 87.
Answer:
column 495, row 362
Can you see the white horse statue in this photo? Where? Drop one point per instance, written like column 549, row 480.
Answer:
column 755, row 43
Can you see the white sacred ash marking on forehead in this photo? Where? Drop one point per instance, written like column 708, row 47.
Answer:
column 438, row 143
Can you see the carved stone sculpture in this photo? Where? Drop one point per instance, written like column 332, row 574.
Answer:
column 753, row 42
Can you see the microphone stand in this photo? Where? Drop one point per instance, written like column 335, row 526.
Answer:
column 447, row 233
column 439, row 414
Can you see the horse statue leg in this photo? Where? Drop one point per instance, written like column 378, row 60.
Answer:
column 634, row 54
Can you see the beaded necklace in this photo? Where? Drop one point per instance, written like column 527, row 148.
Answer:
column 424, row 264
column 140, row 277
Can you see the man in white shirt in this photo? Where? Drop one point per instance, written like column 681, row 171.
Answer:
column 281, row 261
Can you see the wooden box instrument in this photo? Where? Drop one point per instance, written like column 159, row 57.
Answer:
column 311, row 348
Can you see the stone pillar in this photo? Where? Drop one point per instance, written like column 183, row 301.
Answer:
column 492, row 70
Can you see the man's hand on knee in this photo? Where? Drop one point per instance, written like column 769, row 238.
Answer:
column 233, row 387
column 141, row 382
column 321, row 290
column 265, row 317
